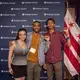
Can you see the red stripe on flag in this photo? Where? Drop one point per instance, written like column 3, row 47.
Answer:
column 72, row 58
column 74, row 43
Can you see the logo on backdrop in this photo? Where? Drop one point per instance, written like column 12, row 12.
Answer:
column 17, row 14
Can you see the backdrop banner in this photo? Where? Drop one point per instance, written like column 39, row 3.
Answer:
column 15, row 14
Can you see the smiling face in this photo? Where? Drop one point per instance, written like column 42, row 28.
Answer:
column 36, row 27
column 22, row 35
column 50, row 24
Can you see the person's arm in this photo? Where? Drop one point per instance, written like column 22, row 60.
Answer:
column 65, row 38
column 47, row 43
column 46, row 46
column 10, row 43
column 11, row 48
column 68, row 41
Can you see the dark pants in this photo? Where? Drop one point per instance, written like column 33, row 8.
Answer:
column 56, row 69
column 33, row 71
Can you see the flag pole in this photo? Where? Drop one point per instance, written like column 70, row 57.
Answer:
column 66, row 6
column 67, row 3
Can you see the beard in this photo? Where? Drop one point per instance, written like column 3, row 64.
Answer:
column 36, row 31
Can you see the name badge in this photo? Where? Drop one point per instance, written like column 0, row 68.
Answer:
column 33, row 50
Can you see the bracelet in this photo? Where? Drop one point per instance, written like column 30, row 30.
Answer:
column 67, row 38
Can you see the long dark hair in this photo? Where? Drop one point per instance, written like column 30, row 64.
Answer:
column 21, row 29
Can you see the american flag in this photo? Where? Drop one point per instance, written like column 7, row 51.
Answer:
column 72, row 54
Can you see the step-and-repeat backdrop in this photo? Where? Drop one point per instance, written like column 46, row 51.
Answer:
column 15, row 14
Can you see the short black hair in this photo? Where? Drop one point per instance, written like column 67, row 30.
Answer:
column 51, row 20
column 36, row 22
